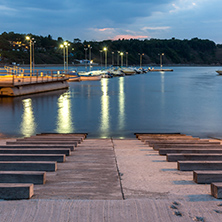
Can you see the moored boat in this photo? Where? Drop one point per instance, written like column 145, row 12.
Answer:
column 219, row 72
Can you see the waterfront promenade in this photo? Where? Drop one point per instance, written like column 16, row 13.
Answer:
column 115, row 180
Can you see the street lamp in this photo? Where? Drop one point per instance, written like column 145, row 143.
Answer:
column 66, row 45
column 90, row 56
column 141, row 55
column 64, row 58
column 118, row 52
column 105, row 50
column 112, row 58
column 31, row 46
column 126, row 59
column 161, row 59
column 85, row 57
column 121, row 54
column 101, row 62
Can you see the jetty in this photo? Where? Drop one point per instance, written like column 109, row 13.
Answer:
column 16, row 81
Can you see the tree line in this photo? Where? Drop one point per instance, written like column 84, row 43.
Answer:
column 14, row 48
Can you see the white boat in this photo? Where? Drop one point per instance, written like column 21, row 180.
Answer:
column 128, row 71
column 89, row 76
column 116, row 72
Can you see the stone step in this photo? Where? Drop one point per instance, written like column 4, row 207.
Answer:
column 66, row 152
column 39, row 142
column 60, row 140
column 84, row 135
column 207, row 176
column 33, row 157
column 35, row 177
column 179, row 142
column 58, row 137
column 194, row 146
column 35, row 146
column 48, row 166
column 216, row 190
column 14, row 191
column 188, row 150
column 161, row 138
column 193, row 156
column 199, row 165
column 159, row 134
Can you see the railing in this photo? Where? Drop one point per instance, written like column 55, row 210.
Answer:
column 20, row 76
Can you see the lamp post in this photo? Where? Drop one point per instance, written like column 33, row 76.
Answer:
column 90, row 57
column 66, row 46
column 105, row 50
column 141, row 55
column 112, row 58
column 121, row 54
column 64, row 60
column 118, row 52
column 161, row 59
column 85, row 57
column 31, row 43
column 101, row 62
column 126, row 59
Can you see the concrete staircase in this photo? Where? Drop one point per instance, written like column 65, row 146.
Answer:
column 202, row 157
column 25, row 162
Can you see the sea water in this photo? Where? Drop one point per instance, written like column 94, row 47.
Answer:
column 187, row 100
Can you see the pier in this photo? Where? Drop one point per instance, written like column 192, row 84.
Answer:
column 16, row 81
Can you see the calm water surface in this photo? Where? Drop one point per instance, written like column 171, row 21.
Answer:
column 188, row 100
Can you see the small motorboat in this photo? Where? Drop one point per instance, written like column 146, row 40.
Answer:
column 88, row 76
column 219, row 72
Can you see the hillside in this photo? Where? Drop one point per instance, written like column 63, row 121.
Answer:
column 14, row 48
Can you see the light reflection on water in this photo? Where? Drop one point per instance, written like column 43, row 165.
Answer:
column 187, row 100
column 28, row 125
column 64, row 120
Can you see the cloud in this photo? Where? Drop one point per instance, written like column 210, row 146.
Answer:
column 156, row 28
column 129, row 37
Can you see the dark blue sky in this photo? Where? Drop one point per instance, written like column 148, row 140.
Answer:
column 102, row 19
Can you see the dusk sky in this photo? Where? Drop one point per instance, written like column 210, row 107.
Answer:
column 114, row 19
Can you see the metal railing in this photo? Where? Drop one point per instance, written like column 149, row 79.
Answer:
column 20, row 76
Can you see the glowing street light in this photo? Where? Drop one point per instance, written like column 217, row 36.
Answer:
column 112, row 58
column 121, row 54
column 85, row 48
column 141, row 55
column 66, row 45
column 101, row 61
column 31, row 46
column 105, row 50
column 118, row 52
column 126, row 59
column 64, row 58
column 161, row 59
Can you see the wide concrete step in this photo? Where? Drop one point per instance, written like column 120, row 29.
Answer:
column 35, row 177
column 42, row 142
column 193, row 156
column 48, row 166
column 199, row 165
column 188, row 150
column 216, row 190
column 194, row 146
column 158, row 134
column 33, row 157
column 60, row 140
column 207, row 176
column 36, row 146
column 179, row 142
column 14, row 191
column 84, row 135
column 66, row 152
column 143, row 138
column 58, row 137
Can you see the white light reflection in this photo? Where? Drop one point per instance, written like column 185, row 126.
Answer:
column 64, row 120
column 28, row 125
column 162, row 82
column 104, row 108
column 121, row 104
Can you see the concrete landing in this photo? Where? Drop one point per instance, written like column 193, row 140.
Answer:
column 89, row 173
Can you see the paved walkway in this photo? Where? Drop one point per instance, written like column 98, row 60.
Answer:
column 87, row 188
